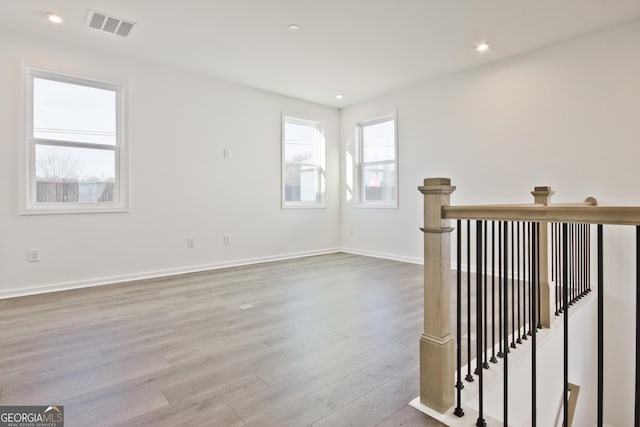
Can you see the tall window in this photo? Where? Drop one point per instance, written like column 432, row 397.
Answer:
column 76, row 152
column 303, row 166
column 376, row 163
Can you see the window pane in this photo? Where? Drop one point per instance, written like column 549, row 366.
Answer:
column 379, row 182
column 378, row 142
column 301, row 183
column 71, row 112
column 300, row 143
column 74, row 175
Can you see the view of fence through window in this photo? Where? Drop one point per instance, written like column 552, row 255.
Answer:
column 303, row 173
column 378, row 157
column 74, row 133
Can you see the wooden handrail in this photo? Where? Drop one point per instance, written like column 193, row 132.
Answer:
column 619, row 215
column 437, row 344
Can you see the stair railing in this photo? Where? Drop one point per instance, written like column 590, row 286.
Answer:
column 514, row 253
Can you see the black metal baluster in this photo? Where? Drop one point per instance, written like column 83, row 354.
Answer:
column 554, row 267
column 553, row 251
column 525, row 278
column 493, row 293
column 485, row 236
column 505, row 373
column 478, row 248
column 637, row 392
column 589, row 258
column 561, row 267
column 565, row 298
column 518, row 277
column 513, row 290
column 600, row 327
column 577, row 262
column 501, row 302
column 587, row 253
column 582, row 263
column 531, row 235
column 479, row 279
column 559, row 274
column 459, row 384
column 570, row 260
column 535, row 279
column 469, row 377
column 574, row 245
column 587, row 246
column 538, row 323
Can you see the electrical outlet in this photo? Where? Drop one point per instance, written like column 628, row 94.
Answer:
column 34, row 255
column 227, row 239
column 191, row 243
column 227, row 153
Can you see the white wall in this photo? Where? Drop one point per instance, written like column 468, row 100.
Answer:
column 181, row 186
column 550, row 375
column 566, row 116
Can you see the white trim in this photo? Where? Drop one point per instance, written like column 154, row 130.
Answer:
column 29, row 206
column 359, row 201
column 383, row 255
column 548, row 339
column 321, row 166
column 111, row 280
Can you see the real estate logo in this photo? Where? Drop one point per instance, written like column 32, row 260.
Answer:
column 32, row 416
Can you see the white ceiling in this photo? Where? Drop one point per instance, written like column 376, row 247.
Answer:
column 359, row 48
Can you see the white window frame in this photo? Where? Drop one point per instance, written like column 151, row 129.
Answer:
column 121, row 187
column 320, row 167
column 359, row 164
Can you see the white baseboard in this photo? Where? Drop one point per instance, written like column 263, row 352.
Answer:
column 87, row 283
column 384, row 255
column 447, row 418
column 110, row 280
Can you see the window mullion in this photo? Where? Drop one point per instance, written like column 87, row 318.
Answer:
column 378, row 163
column 76, row 151
column 376, row 181
column 74, row 144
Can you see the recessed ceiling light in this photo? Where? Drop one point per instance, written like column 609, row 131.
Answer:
column 294, row 27
column 482, row 47
column 56, row 19
column 339, row 96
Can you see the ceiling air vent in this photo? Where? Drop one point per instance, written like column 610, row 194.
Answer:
column 103, row 22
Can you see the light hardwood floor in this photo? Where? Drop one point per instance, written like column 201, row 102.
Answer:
column 330, row 340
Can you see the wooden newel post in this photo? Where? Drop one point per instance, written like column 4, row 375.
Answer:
column 437, row 345
column 542, row 196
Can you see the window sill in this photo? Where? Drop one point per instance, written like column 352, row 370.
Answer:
column 304, row 206
column 376, row 205
column 76, row 209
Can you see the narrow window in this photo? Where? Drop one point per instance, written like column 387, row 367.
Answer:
column 376, row 163
column 75, row 142
column 303, row 166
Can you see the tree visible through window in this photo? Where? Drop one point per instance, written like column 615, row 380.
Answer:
column 76, row 143
column 303, row 172
column 376, row 162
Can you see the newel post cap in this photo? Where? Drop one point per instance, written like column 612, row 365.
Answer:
column 542, row 195
column 437, row 185
column 437, row 181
